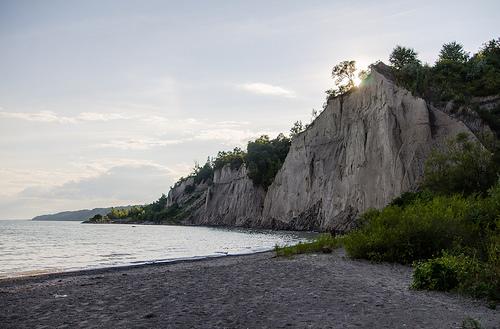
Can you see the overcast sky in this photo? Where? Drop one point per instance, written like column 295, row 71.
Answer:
column 107, row 103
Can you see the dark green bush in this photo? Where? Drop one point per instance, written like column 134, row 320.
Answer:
column 465, row 166
column 459, row 273
column 409, row 198
column 419, row 231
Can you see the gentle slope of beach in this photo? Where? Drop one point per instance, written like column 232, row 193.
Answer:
column 253, row 291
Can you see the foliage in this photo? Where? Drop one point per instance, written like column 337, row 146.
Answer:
column 453, row 52
column 343, row 75
column 419, row 231
column 456, row 76
column 409, row 198
column 296, row 129
column 204, row 173
column 234, row 158
column 265, row 157
column 465, row 166
column 460, row 273
column 323, row 243
column 403, row 56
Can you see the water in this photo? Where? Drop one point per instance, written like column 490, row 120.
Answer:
column 35, row 247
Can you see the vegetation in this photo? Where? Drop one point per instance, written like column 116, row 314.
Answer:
column 343, row 75
column 456, row 76
column 325, row 243
column 265, row 157
column 450, row 230
column 464, row 167
column 296, row 129
column 402, row 57
column 460, row 272
column 156, row 212
column 234, row 158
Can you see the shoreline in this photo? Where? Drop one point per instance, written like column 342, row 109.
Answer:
column 125, row 267
column 244, row 291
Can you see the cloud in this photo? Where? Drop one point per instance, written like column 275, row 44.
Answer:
column 41, row 116
column 130, row 183
column 267, row 89
column 189, row 130
column 93, row 116
column 49, row 116
column 140, row 144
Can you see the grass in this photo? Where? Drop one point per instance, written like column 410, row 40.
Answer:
column 325, row 243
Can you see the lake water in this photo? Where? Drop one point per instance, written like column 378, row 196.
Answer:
column 35, row 247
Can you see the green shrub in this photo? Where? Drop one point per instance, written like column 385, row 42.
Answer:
column 419, row 231
column 409, row 198
column 459, row 273
column 325, row 243
column 464, row 167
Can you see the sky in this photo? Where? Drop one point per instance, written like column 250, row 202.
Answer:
column 107, row 103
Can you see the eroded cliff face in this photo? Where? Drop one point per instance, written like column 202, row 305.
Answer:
column 231, row 199
column 362, row 151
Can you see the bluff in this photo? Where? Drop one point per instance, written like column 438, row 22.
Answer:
column 366, row 148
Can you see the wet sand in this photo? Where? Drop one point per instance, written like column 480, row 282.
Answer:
column 253, row 291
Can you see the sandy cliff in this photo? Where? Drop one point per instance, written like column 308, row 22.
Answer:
column 362, row 151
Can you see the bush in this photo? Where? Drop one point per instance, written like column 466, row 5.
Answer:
column 409, row 198
column 459, row 273
column 418, row 231
column 323, row 243
column 464, row 167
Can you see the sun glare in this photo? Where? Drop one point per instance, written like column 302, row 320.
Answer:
column 357, row 80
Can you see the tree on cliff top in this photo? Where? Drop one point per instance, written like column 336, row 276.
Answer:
column 343, row 74
column 453, row 52
column 403, row 56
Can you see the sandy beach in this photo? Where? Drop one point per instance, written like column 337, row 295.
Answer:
column 253, row 291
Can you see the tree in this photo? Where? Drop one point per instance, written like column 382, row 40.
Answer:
column 402, row 56
column 265, row 157
column 234, row 158
column 453, row 52
column 343, row 74
column 202, row 174
column 296, row 129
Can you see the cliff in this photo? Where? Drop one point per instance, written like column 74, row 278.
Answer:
column 363, row 150
column 231, row 199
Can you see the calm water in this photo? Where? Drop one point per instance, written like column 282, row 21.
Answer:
column 28, row 247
